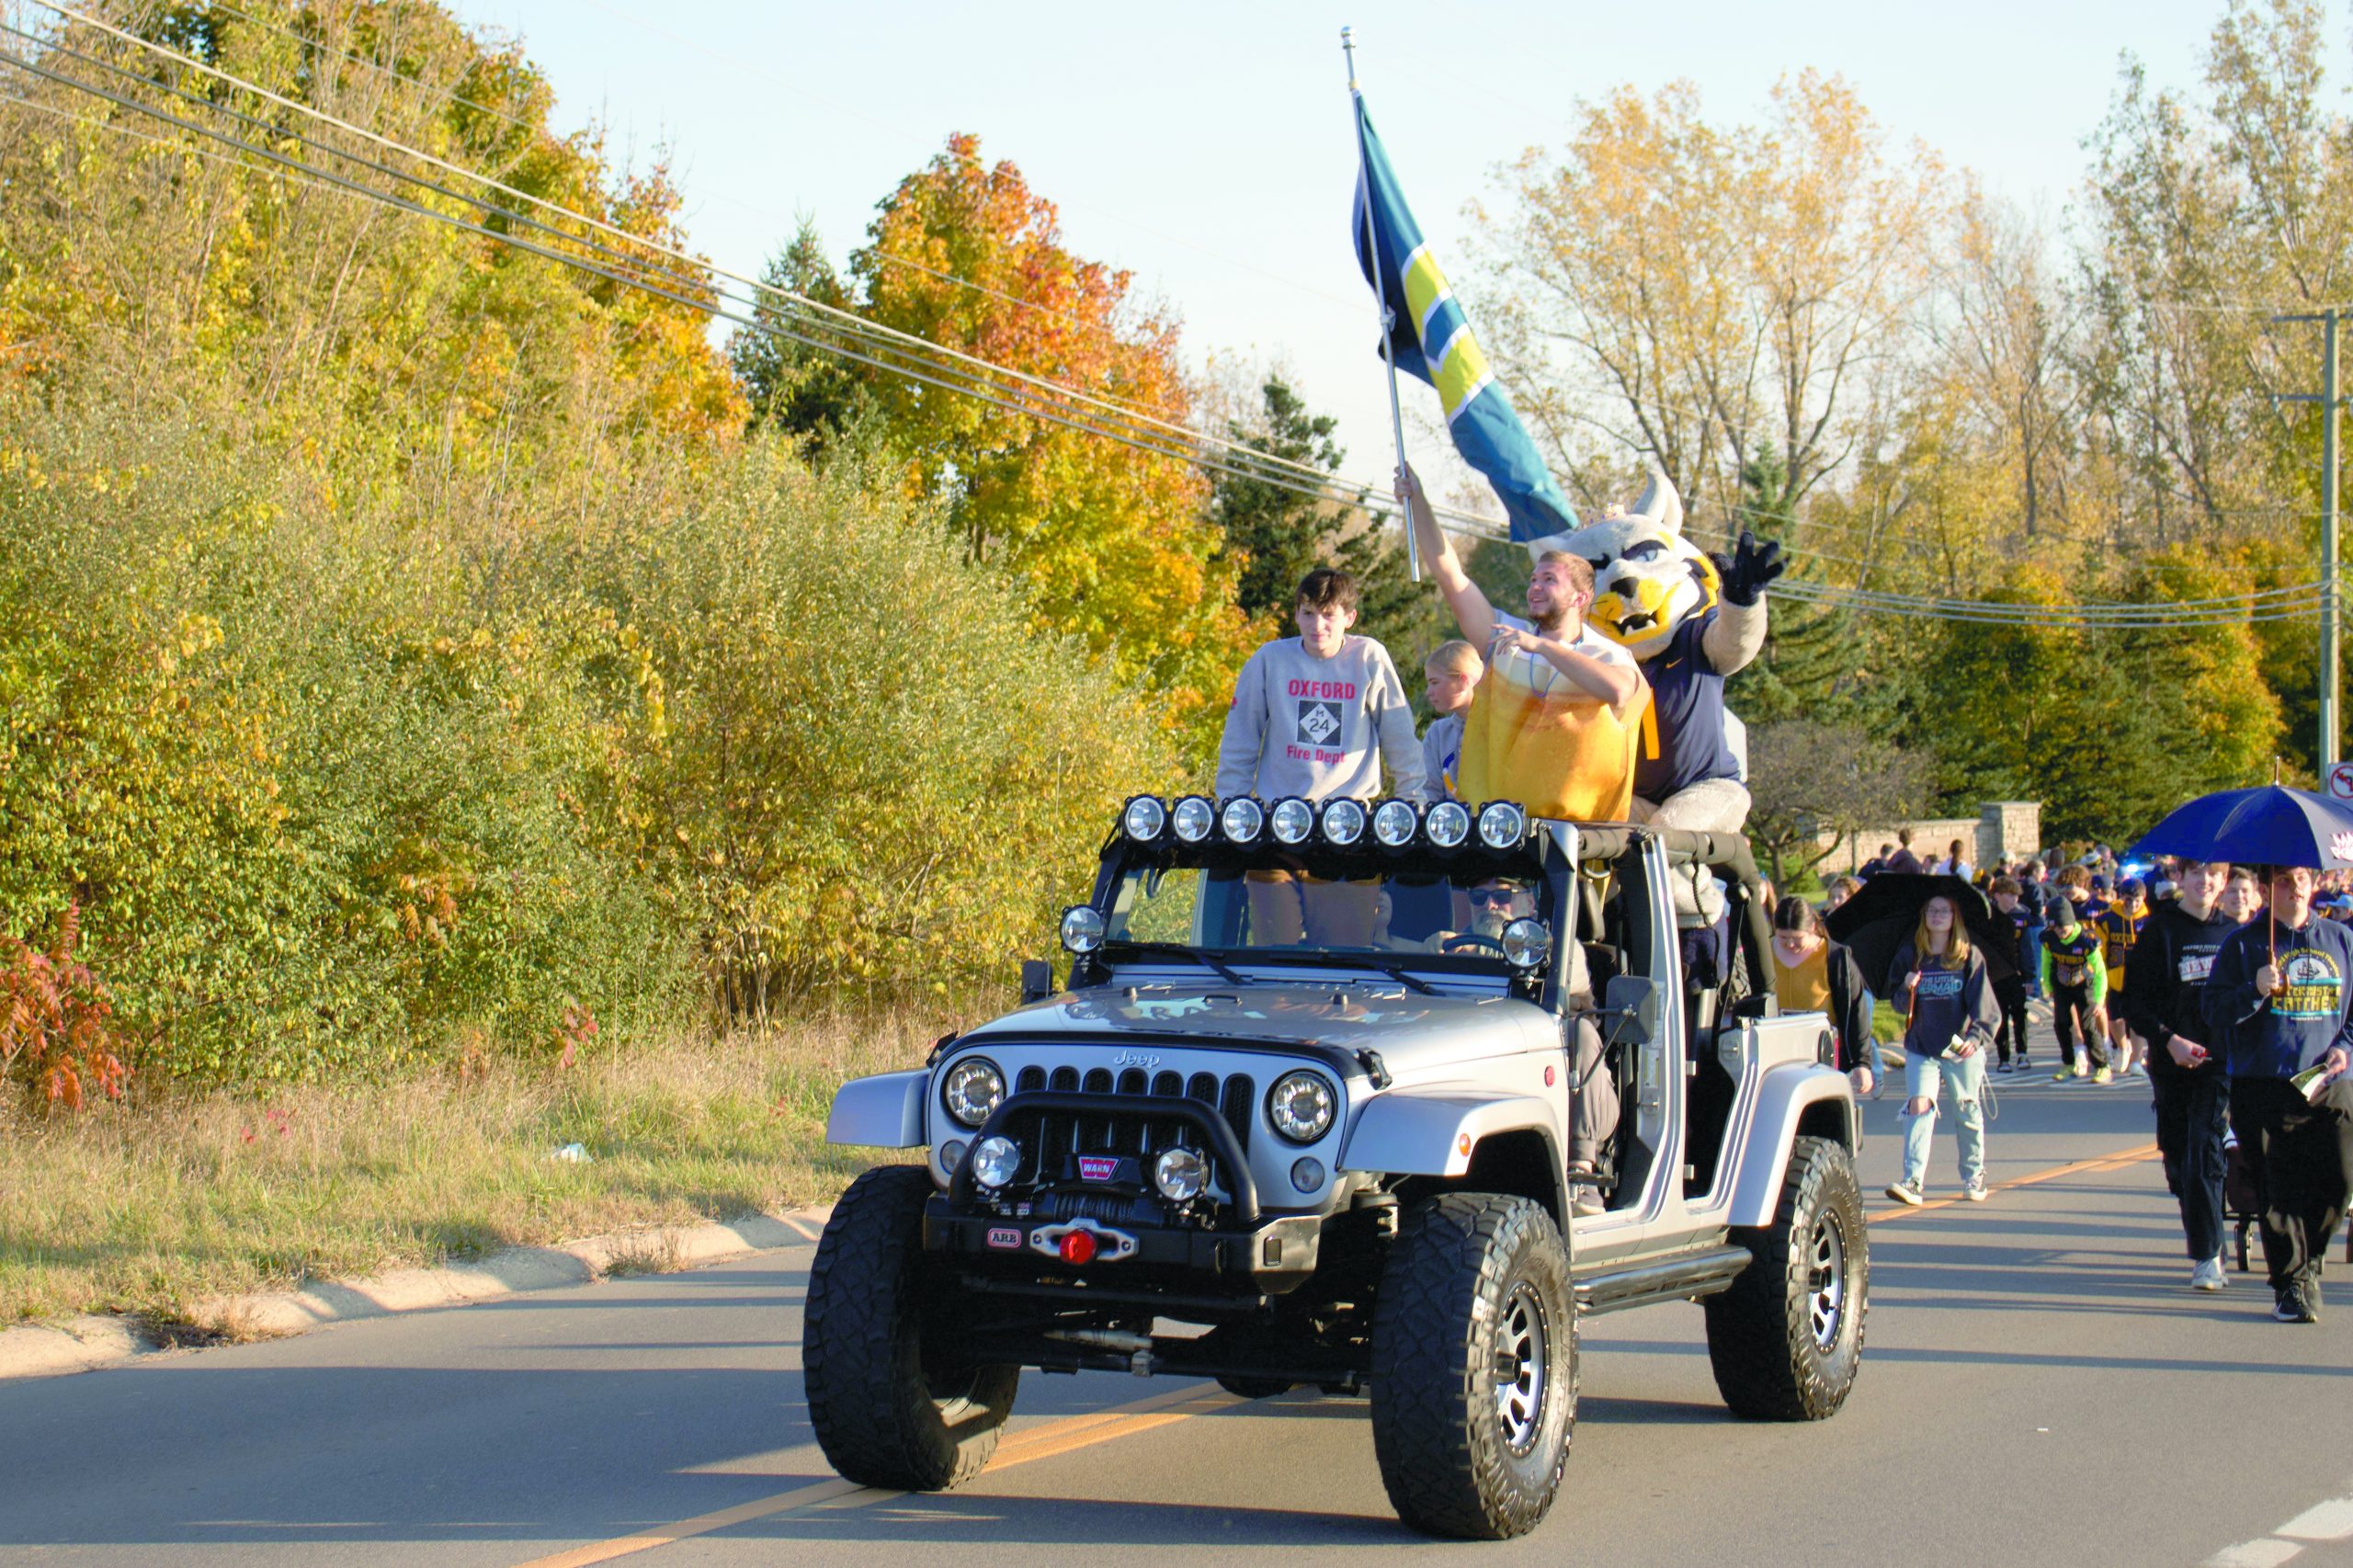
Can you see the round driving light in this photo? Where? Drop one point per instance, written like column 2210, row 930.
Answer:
column 951, row 1155
column 1292, row 821
column 996, row 1160
column 1144, row 819
column 1307, row 1175
column 1447, row 825
column 1393, row 824
column 1526, row 943
column 1502, row 824
column 1179, row 1174
column 1192, row 819
column 1077, row 1247
column 1343, row 822
column 972, row 1090
column 1081, row 928
column 1241, row 820
column 1301, row 1106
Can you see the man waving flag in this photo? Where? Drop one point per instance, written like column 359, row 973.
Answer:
column 1429, row 336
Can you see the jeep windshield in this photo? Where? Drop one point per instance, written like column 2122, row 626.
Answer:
column 1394, row 923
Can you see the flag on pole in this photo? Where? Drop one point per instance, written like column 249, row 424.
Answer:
column 1430, row 337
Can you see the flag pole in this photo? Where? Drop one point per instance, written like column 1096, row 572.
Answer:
column 1380, row 288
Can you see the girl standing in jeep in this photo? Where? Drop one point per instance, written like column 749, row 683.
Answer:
column 1950, row 1016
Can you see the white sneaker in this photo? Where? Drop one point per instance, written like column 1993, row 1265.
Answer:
column 1974, row 1191
column 1905, row 1193
column 2209, row 1276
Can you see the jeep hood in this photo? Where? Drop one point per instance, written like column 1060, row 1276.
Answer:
column 1415, row 1034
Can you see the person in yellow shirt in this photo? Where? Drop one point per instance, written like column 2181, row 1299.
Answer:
column 1555, row 717
column 2120, row 926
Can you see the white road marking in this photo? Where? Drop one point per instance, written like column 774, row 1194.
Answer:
column 2265, row 1553
column 2332, row 1521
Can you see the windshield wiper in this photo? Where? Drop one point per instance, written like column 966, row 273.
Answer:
column 1411, row 983
column 1177, row 951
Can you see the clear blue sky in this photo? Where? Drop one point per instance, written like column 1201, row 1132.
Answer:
column 1207, row 147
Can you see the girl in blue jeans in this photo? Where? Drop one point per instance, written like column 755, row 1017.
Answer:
column 1950, row 1016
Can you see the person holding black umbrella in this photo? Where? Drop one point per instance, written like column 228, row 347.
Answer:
column 2165, row 988
column 2279, row 999
column 1941, row 982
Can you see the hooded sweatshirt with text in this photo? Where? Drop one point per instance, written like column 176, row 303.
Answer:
column 2280, row 1035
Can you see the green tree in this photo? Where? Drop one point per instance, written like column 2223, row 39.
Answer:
column 1278, row 535
column 790, row 386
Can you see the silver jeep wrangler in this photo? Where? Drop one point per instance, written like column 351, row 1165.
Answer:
column 1306, row 1114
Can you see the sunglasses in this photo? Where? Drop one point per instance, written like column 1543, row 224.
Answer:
column 1488, row 898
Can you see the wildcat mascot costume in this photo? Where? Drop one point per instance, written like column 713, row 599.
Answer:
column 1689, row 620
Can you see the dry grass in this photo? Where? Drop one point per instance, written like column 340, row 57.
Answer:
column 148, row 1208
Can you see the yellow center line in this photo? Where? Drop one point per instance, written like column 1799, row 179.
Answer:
column 1073, row 1432
column 2102, row 1162
column 1039, row 1442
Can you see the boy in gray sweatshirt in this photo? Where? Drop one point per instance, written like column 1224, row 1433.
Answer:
column 1317, row 716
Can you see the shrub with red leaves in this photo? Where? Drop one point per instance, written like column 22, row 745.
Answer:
column 57, row 1035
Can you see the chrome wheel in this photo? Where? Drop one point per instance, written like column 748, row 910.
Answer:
column 1521, row 1345
column 1826, row 1281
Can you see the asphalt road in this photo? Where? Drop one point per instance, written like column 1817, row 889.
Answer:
column 2038, row 1387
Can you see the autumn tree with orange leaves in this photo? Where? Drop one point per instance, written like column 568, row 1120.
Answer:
column 1114, row 544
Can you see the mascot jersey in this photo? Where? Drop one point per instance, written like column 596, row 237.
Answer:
column 1536, row 736
column 1684, row 740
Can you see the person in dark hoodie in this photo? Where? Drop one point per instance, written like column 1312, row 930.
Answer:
column 2165, row 989
column 2277, row 1000
column 1943, row 986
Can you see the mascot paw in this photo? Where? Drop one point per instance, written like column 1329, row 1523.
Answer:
column 1749, row 569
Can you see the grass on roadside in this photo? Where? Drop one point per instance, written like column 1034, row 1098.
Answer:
column 152, row 1207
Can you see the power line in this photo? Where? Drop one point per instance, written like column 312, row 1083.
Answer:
column 449, row 93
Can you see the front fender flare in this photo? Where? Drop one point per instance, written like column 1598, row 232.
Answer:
column 1782, row 1101
column 881, row 1112
column 1433, row 1131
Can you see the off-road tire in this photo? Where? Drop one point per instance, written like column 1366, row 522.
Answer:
column 1465, row 1273
column 1254, row 1388
column 884, row 1413
column 1787, row 1339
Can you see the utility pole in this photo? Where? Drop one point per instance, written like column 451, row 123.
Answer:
column 2331, row 622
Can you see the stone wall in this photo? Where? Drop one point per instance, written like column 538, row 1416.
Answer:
column 2003, row 832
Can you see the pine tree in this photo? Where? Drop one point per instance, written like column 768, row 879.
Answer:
column 792, row 387
column 1811, row 666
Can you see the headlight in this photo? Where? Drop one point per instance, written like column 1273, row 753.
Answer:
column 996, row 1160
column 1300, row 1106
column 1193, row 818
column 1081, row 928
column 1447, row 825
column 1502, row 824
column 1242, row 820
column 1144, row 819
column 1393, row 824
column 1343, row 822
column 1526, row 943
column 972, row 1090
column 1179, row 1174
column 1291, row 821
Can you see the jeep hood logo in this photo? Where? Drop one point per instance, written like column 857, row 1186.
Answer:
column 1148, row 1059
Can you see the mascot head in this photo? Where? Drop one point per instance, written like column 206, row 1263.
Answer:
column 1647, row 578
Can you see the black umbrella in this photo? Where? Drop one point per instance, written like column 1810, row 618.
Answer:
column 1880, row 918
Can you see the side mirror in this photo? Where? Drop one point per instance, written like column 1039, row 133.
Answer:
column 1630, row 1004
column 1036, row 980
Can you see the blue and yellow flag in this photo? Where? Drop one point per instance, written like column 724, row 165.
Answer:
column 1429, row 336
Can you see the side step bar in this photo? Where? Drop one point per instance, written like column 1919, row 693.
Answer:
column 1676, row 1279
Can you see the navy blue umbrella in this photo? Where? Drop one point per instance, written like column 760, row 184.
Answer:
column 2273, row 825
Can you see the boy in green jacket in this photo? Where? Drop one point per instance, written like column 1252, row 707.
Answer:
column 2074, row 976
